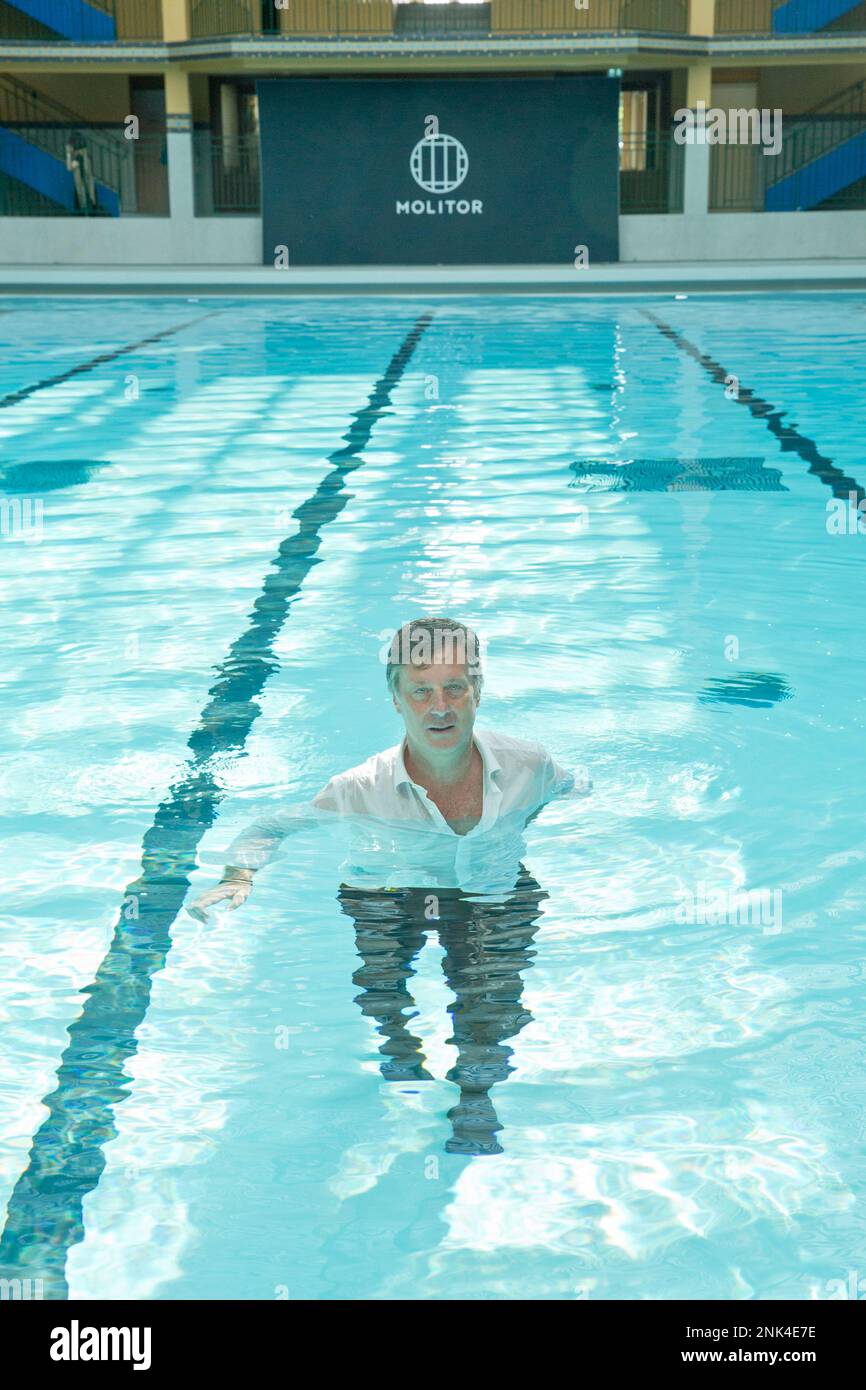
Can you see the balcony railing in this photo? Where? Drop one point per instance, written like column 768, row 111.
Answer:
column 787, row 18
column 226, row 173
column 651, row 168
column 81, row 21
column 821, row 165
column 128, row 176
column 599, row 16
column 442, row 21
column 499, row 18
column 298, row 19
column 114, row 21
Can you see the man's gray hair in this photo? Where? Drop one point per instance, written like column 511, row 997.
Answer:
column 424, row 641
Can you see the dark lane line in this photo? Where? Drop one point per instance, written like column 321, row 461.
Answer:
column 14, row 397
column 44, row 1218
column 790, row 438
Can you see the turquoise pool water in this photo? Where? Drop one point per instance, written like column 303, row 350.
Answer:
column 215, row 513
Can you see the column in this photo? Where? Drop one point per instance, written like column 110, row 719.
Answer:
column 702, row 16
column 178, row 117
column 696, row 179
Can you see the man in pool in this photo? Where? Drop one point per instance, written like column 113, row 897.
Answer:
column 445, row 808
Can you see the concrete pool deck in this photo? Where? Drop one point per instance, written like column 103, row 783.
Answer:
column 712, row 277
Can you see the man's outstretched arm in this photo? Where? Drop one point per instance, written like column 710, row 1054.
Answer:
column 558, row 784
column 255, row 847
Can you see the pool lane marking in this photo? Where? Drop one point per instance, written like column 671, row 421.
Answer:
column 44, row 1217
column 14, row 397
column 790, row 438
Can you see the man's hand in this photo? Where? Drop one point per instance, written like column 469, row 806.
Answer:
column 234, row 890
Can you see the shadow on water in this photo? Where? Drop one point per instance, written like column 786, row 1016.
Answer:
column 677, row 475
column 48, row 475
column 757, row 689
column 488, row 946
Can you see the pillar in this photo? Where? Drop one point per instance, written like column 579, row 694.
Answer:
column 696, row 176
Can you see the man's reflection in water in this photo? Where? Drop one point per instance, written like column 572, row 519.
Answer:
column 488, row 946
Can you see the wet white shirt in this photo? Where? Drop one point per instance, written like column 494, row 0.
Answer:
column 398, row 835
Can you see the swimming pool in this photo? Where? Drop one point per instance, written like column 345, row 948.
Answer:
column 215, row 513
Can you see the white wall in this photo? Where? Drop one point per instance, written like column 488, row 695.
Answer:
column 743, row 236
column 227, row 240
column 237, row 240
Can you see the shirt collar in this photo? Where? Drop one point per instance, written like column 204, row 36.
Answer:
column 492, row 766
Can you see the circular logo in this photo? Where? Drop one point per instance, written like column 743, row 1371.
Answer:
column 439, row 163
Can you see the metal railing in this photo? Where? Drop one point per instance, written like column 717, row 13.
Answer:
column 113, row 21
column 808, row 138
column 742, row 177
column 805, row 143
column 420, row 21
column 783, row 20
column 83, row 21
column 130, row 176
column 226, row 171
column 600, row 16
column 850, row 101
column 737, row 178
column 745, row 16
column 651, row 173
column 51, row 124
column 299, row 18
column 383, row 17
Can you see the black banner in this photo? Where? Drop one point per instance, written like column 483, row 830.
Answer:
column 101, row 1342
column 439, row 171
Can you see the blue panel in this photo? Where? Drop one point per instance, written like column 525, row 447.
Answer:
column 72, row 18
column 821, row 178
column 46, row 173
column 532, row 165
column 806, row 16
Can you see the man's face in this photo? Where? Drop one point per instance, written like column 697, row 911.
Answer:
column 438, row 705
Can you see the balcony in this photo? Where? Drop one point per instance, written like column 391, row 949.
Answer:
column 787, row 18
column 449, row 20
column 81, row 21
column 493, row 22
column 596, row 16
